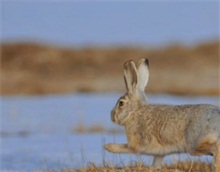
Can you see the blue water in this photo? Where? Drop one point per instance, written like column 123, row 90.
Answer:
column 37, row 131
column 84, row 23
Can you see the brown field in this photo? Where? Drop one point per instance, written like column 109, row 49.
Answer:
column 28, row 68
column 139, row 167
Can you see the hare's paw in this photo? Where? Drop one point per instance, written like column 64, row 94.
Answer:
column 111, row 147
column 118, row 148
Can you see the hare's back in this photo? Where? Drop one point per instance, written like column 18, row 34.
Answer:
column 198, row 117
column 204, row 115
column 209, row 117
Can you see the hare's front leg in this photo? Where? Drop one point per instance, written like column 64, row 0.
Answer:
column 118, row 148
column 158, row 161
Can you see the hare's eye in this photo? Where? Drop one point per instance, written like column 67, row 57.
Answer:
column 121, row 103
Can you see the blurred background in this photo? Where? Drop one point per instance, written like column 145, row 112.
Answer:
column 63, row 47
column 61, row 73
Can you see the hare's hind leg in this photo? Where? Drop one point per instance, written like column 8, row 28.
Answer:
column 118, row 148
column 217, row 157
column 204, row 146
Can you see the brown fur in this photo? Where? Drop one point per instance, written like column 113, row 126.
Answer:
column 160, row 130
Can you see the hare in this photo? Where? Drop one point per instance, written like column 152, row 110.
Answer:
column 160, row 129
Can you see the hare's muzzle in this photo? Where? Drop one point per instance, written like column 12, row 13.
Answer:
column 112, row 116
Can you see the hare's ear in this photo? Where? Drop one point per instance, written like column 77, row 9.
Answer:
column 130, row 76
column 143, row 74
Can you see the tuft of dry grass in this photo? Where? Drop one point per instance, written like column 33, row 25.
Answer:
column 96, row 128
column 139, row 167
column 28, row 68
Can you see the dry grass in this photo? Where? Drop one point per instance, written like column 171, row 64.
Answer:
column 39, row 69
column 96, row 128
column 139, row 167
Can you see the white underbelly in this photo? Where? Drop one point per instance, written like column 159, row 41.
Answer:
column 161, row 150
column 155, row 148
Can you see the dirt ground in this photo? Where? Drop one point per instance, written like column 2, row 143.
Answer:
column 28, row 68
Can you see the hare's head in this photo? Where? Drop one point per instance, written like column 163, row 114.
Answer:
column 136, row 78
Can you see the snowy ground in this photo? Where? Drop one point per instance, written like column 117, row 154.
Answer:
column 37, row 132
